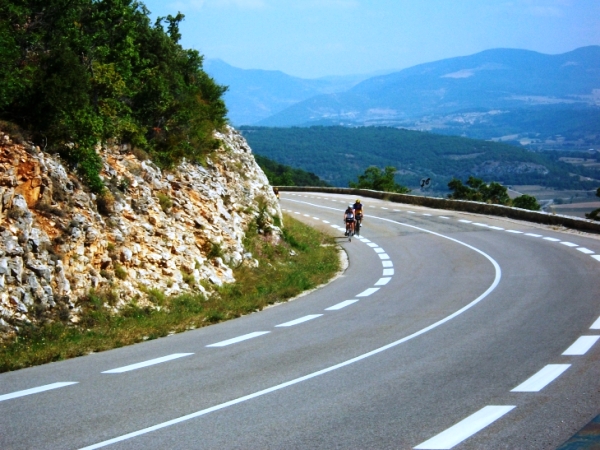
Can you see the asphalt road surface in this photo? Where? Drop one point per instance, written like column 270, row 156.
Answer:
column 447, row 330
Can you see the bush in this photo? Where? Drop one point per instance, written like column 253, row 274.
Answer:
column 374, row 178
column 526, row 202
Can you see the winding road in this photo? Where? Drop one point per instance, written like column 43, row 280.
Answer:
column 447, row 330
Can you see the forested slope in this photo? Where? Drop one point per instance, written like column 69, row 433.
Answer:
column 340, row 154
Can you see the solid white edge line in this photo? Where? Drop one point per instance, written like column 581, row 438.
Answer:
column 497, row 278
column 36, row 390
column 543, row 378
column 383, row 281
column 466, row 427
column 291, row 323
column 341, row 305
column 596, row 325
column 150, row 362
column 368, row 292
column 581, row 346
column 235, row 340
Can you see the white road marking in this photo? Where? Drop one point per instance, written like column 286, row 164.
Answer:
column 235, row 340
column 383, row 207
column 378, row 250
column 596, row 325
column 426, row 214
column 316, row 218
column 542, row 379
column 411, row 212
column 383, row 255
column 491, row 288
column 36, row 390
column 365, row 240
column 341, row 305
column 568, row 244
column 533, row 235
column 516, row 232
column 551, row 239
column 306, row 215
column 326, row 221
column 388, row 272
column 444, row 217
column 496, row 228
column 150, row 362
column 480, row 224
column 382, row 281
column 296, row 212
column 581, row 346
column 587, row 251
column 368, row 292
column 371, row 244
column 291, row 323
column 596, row 257
column 398, row 210
column 464, row 221
column 387, row 263
column 466, row 427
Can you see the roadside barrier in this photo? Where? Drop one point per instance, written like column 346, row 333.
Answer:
column 545, row 218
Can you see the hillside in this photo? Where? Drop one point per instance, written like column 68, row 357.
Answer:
column 254, row 94
column 339, row 154
column 499, row 93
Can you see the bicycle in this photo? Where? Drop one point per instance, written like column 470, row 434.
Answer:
column 349, row 231
column 357, row 224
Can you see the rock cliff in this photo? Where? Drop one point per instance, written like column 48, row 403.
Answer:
column 174, row 231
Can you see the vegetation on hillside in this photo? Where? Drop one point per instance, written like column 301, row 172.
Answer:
column 339, row 154
column 304, row 259
column 379, row 180
column 477, row 190
column 75, row 73
column 282, row 175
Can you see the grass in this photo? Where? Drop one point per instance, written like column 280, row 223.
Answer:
column 279, row 277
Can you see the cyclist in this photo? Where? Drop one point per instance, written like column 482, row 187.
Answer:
column 349, row 220
column 358, row 210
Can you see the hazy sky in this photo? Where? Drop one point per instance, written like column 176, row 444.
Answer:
column 313, row 38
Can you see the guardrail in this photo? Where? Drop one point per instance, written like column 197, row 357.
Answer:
column 575, row 223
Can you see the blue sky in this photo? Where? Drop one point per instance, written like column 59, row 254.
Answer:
column 314, row 38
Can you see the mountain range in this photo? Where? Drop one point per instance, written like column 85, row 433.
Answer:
column 539, row 100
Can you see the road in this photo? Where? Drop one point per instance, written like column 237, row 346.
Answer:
column 447, row 330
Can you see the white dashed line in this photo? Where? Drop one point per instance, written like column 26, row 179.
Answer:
column 291, row 323
column 533, row 235
column 596, row 257
column 383, row 207
column 383, row 281
column 239, row 339
column 551, row 239
column 596, row 325
column 480, row 224
column 464, row 221
column 466, row 427
column 568, row 244
column 387, row 263
column 587, row 251
column 427, row 214
column 542, row 379
column 341, row 305
column 497, row 228
column 371, row 244
column 378, row 250
column 581, row 346
column 36, row 390
column 444, row 217
column 411, row 212
column 516, row 232
column 388, row 272
column 383, row 255
column 368, row 292
column 150, row 362
column 325, row 221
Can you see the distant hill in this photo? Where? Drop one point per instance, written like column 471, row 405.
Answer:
column 339, row 154
column 502, row 93
column 282, row 175
column 255, row 94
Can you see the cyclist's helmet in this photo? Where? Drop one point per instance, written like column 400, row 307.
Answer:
column 349, row 206
column 358, row 200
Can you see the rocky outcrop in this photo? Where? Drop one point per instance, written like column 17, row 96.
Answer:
column 174, row 231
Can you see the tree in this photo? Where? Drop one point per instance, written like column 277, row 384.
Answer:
column 595, row 214
column 526, row 202
column 478, row 190
column 374, row 178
